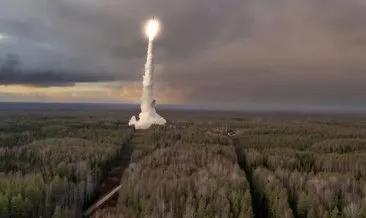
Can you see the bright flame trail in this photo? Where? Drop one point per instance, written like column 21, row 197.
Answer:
column 148, row 115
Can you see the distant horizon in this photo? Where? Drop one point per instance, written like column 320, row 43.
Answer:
column 104, row 105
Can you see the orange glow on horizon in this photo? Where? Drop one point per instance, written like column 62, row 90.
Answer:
column 90, row 92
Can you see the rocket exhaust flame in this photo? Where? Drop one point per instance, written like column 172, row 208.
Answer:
column 152, row 28
column 148, row 115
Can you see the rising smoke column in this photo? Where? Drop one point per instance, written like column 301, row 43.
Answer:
column 148, row 115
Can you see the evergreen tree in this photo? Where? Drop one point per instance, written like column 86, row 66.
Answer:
column 302, row 204
column 16, row 206
column 57, row 213
column 311, row 214
column 334, row 213
column 4, row 205
column 326, row 214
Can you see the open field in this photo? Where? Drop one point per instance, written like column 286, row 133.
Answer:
column 55, row 163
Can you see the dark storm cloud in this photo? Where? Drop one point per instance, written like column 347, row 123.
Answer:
column 315, row 89
column 11, row 73
column 290, row 51
column 48, row 78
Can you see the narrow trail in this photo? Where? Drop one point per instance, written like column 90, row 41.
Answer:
column 107, row 194
column 112, row 180
column 259, row 205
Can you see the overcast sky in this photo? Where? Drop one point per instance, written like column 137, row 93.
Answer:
column 232, row 53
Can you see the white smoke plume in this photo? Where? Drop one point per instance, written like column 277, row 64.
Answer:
column 148, row 115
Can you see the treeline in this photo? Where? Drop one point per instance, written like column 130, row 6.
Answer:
column 296, row 168
column 168, row 135
column 271, row 167
column 174, row 174
column 186, row 181
column 314, row 191
column 58, row 172
column 311, row 174
column 293, row 168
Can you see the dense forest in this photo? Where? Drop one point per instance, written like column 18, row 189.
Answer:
column 290, row 167
column 198, row 165
column 319, row 165
column 52, row 163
